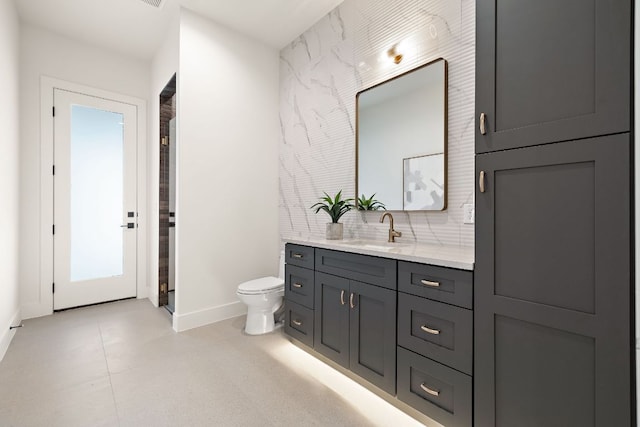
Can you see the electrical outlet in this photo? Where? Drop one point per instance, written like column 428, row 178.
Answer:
column 469, row 213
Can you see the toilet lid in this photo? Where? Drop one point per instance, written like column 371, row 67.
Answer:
column 263, row 284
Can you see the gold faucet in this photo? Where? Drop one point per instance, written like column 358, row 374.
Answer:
column 392, row 233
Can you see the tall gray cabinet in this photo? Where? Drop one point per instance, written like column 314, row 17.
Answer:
column 553, row 293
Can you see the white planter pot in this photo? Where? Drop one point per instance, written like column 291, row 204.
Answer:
column 334, row 231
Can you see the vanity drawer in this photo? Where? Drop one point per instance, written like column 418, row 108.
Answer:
column 298, row 322
column 439, row 392
column 299, row 255
column 439, row 331
column 438, row 283
column 363, row 268
column 299, row 285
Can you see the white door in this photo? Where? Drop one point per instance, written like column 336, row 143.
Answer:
column 94, row 200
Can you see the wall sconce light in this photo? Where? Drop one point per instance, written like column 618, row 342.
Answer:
column 393, row 53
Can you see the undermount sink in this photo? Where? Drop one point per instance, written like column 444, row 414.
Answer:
column 375, row 245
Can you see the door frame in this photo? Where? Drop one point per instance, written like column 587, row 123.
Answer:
column 47, row 86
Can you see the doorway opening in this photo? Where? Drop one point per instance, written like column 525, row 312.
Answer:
column 167, row 193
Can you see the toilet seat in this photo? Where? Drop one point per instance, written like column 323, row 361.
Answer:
column 262, row 285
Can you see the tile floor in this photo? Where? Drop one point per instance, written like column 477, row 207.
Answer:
column 121, row 364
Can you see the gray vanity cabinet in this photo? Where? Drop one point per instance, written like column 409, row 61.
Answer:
column 299, row 292
column 552, row 286
column 355, row 314
column 549, row 71
column 402, row 326
column 435, row 341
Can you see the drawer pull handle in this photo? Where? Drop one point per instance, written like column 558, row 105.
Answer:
column 430, row 391
column 297, row 322
column 351, row 304
column 483, row 124
column 342, row 297
column 429, row 330
column 297, row 255
column 297, row 285
column 430, row 283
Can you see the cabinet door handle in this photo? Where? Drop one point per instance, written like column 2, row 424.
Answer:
column 429, row 390
column 483, row 124
column 297, row 285
column 342, row 297
column 297, row 322
column 351, row 304
column 297, row 255
column 430, row 283
column 429, row 330
column 481, row 181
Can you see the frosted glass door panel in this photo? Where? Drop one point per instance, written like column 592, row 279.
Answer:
column 95, row 188
column 96, row 193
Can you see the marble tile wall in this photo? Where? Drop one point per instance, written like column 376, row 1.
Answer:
column 320, row 74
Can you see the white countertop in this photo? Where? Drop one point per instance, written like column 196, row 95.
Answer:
column 444, row 256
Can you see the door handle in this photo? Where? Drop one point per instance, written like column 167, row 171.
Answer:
column 481, row 181
column 351, row 303
column 483, row 124
column 342, row 297
column 128, row 225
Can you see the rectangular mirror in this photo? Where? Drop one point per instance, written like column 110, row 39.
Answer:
column 401, row 140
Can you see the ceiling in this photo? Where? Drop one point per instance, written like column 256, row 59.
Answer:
column 137, row 29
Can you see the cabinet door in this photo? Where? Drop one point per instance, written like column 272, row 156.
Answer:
column 373, row 334
column 553, row 285
column 331, row 323
column 550, row 71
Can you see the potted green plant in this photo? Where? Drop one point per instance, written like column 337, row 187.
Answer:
column 335, row 207
column 370, row 204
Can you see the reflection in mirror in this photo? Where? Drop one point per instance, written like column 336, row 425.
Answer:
column 401, row 139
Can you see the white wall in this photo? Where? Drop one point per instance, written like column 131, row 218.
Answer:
column 227, row 195
column 43, row 53
column 9, row 172
column 163, row 66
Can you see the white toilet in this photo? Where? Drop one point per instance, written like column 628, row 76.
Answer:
column 263, row 298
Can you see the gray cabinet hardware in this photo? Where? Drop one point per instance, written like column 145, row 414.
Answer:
column 429, row 390
column 429, row 330
column 430, row 283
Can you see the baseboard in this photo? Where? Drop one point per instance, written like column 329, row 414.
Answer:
column 29, row 311
column 194, row 319
column 7, row 334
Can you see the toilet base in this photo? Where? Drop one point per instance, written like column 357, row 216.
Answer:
column 259, row 320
